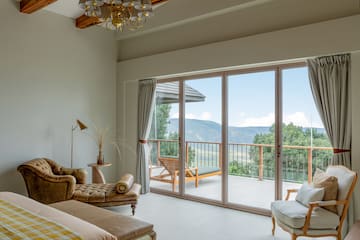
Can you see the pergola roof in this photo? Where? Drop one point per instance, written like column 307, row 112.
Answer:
column 169, row 93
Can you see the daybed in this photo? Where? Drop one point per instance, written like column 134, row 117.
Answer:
column 48, row 182
column 85, row 221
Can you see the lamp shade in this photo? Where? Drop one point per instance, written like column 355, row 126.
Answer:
column 81, row 125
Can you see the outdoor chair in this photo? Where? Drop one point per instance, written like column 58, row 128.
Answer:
column 170, row 174
column 315, row 218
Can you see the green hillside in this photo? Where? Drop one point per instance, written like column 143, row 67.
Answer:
column 208, row 131
column 199, row 130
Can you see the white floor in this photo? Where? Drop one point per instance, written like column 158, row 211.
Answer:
column 177, row 219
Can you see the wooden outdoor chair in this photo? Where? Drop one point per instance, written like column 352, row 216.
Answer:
column 170, row 174
column 316, row 220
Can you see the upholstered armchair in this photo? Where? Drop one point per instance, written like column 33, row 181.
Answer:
column 48, row 182
column 314, row 213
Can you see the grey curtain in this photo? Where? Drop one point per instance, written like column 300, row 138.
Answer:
column 146, row 102
column 330, row 84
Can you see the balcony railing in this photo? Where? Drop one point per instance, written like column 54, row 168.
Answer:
column 250, row 160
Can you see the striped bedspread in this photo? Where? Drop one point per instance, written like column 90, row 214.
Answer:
column 18, row 223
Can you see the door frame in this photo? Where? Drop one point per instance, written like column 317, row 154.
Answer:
column 277, row 68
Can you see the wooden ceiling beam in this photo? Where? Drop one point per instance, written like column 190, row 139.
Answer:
column 84, row 21
column 30, row 6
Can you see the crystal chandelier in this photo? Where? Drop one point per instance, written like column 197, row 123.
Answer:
column 117, row 14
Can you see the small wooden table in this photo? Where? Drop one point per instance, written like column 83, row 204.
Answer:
column 97, row 175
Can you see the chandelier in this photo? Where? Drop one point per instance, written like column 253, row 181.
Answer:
column 117, row 14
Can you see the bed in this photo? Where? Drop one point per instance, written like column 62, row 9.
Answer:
column 82, row 220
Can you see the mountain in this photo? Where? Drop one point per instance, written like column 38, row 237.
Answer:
column 200, row 130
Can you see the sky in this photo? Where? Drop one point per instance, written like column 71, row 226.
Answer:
column 251, row 99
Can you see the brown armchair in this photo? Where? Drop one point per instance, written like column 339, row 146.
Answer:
column 48, row 182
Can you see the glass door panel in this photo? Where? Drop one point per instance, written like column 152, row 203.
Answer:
column 305, row 143
column 164, row 138
column 203, row 137
column 251, row 148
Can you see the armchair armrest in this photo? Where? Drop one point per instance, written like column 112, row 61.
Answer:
column 79, row 174
column 313, row 205
column 289, row 191
column 327, row 203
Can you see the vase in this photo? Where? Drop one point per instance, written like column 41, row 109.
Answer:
column 100, row 158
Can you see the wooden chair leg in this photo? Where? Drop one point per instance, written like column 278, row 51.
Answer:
column 293, row 237
column 273, row 225
column 339, row 235
column 133, row 206
column 197, row 178
column 173, row 182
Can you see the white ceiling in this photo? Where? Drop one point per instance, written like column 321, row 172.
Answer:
column 173, row 13
column 177, row 13
column 68, row 8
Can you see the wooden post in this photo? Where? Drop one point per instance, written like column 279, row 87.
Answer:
column 220, row 155
column 187, row 154
column 309, row 165
column 261, row 163
column 158, row 152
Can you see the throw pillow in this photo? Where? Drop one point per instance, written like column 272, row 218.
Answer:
column 330, row 184
column 308, row 193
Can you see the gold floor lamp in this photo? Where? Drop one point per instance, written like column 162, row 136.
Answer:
column 81, row 126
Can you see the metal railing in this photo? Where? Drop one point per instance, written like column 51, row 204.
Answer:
column 250, row 160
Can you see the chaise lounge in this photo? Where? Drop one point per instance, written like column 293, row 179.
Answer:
column 48, row 182
column 170, row 173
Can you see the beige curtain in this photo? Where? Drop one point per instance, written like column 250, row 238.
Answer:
column 146, row 102
column 330, row 84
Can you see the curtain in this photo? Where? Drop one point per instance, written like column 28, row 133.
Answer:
column 330, row 84
column 146, row 102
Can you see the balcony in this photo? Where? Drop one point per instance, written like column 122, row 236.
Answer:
column 251, row 168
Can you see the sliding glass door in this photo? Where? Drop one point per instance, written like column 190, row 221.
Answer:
column 164, row 143
column 251, row 139
column 237, row 138
column 203, row 142
column 304, row 140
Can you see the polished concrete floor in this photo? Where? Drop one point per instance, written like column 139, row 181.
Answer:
column 177, row 219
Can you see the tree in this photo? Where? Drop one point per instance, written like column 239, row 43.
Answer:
column 160, row 121
column 294, row 159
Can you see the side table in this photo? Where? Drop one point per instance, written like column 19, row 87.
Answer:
column 97, row 175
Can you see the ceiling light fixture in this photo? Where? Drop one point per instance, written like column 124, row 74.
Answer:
column 117, row 14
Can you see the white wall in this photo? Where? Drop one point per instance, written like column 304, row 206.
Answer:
column 51, row 74
column 341, row 35
column 355, row 76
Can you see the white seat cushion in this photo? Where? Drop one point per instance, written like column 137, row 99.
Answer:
column 293, row 213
